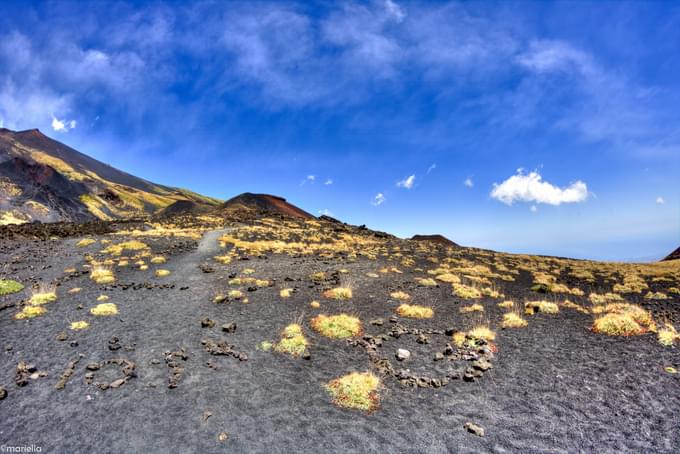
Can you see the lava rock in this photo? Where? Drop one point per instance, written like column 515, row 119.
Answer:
column 403, row 354
column 474, row 429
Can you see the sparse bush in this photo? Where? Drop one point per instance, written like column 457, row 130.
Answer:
column 79, row 325
column 292, row 341
column 339, row 293
column 102, row 275
column 472, row 308
column 30, row 312
column 415, row 311
column 337, row 326
column 544, row 307
column 104, row 309
column 8, row 286
column 44, row 297
column 513, row 320
column 400, row 296
column 356, row 390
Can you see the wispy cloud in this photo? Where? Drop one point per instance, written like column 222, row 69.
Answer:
column 407, row 183
column 379, row 199
column 431, row 168
column 468, row 183
column 660, row 200
column 328, row 182
column 325, row 212
column 531, row 188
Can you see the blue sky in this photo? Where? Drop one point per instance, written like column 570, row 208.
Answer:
column 538, row 127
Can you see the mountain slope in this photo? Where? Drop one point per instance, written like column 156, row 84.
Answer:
column 270, row 204
column 675, row 255
column 45, row 180
column 436, row 238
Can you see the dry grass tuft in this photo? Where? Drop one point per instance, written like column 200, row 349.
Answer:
column 292, row 341
column 356, row 390
column 400, row 296
column 668, row 335
column 30, row 312
column 415, row 311
column 315, row 304
column 285, row 292
column 44, row 297
column 79, row 325
column 617, row 325
column 338, row 293
column 472, row 308
column 506, row 304
column 466, row 292
column 104, row 309
column 337, row 326
column 8, row 286
column 158, row 260
column 544, row 307
column 162, row 273
column 426, row 281
column 102, row 275
column 85, row 242
column 513, row 320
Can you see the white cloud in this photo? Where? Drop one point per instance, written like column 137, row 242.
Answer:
column 468, row 182
column 395, row 10
column 311, row 178
column 660, row 200
column 431, row 168
column 531, row 188
column 406, row 183
column 62, row 125
column 325, row 212
column 533, row 208
column 379, row 199
column 328, row 182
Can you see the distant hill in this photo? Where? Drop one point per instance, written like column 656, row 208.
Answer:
column 675, row 255
column 439, row 239
column 44, row 180
column 265, row 203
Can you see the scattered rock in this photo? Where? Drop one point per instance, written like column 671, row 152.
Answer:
column 62, row 336
column 474, row 429
column 3, row 393
column 222, row 436
column 229, row 327
column 438, row 356
column 377, row 322
column 403, row 354
column 207, row 323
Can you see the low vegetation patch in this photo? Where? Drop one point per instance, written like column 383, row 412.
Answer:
column 162, row 273
column 8, row 286
column 337, row 326
column 617, row 325
column 668, row 335
column 544, row 307
column 102, row 275
column 513, row 320
column 400, row 296
column 30, row 312
column 104, row 309
column 415, row 311
column 158, row 260
column 426, row 281
column 466, row 292
column 472, row 336
column 506, row 304
column 472, row 308
column 82, row 324
column 285, row 292
column 132, row 245
column 356, row 390
column 85, row 242
column 44, row 297
column 292, row 341
column 339, row 293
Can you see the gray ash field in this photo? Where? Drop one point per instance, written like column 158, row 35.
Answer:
column 240, row 347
